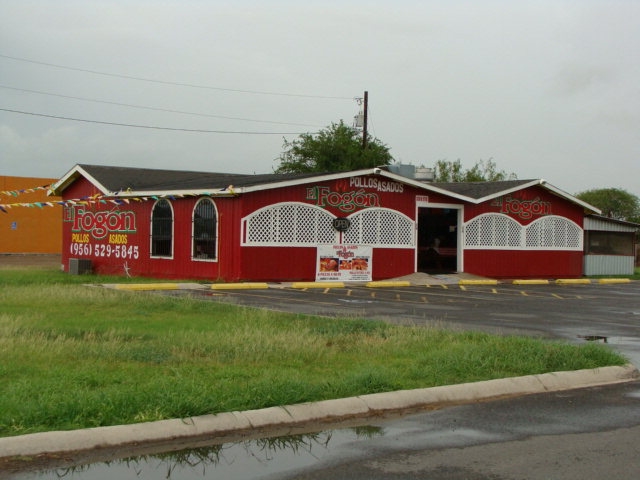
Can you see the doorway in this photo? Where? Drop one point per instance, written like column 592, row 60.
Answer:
column 437, row 240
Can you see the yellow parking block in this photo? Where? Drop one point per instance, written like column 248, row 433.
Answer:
column 388, row 283
column 239, row 286
column 147, row 286
column 531, row 281
column 317, row 285
column 478, row 282
column 573, row 281
column 614, row 280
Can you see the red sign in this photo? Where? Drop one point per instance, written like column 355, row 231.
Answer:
column 101, row 223
column 524, row 209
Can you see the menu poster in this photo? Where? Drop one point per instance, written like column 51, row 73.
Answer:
column 345, row 263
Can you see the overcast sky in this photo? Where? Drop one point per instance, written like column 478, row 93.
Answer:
column 546, row 89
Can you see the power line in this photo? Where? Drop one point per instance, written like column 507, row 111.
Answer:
column 157, row 109
column 164, row 82
column 57, row 117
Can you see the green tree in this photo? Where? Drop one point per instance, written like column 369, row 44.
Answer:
column 614, row 202
column 482, row 171
column 333, row 149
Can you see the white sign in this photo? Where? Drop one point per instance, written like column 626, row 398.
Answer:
column 348, row 263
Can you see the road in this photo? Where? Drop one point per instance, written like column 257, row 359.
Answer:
column 580, row 434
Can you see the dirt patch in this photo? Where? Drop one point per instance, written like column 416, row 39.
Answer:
column 30, row 261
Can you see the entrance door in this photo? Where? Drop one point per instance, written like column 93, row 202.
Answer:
column 437, row 240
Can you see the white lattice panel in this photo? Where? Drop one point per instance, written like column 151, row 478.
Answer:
column 493, row 230
column 498, row 231
column 291, row 224
column 380, row 227
column 554, row 232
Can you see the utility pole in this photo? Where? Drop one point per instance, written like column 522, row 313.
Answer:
column 364, row 125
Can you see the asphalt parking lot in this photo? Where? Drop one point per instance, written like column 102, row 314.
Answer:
column 576, row 312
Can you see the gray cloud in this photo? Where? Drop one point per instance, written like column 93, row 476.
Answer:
column 548, row 89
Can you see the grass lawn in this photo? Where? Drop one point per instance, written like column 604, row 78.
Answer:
column 74, row 356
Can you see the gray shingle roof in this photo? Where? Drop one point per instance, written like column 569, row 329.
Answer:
column 480, row 189
column 117, row 179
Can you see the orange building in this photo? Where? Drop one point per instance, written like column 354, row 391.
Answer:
column 26, row 224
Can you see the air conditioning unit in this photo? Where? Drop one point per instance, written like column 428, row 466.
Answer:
column 79, row 266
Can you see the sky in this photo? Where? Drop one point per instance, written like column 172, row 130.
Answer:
column 545, row 89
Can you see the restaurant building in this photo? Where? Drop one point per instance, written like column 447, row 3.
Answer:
column 351, row 226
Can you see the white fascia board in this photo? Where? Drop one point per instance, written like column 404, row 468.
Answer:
column 225, row 192
column 570, row 197
column 532, row 183
column 77, row 171
column 302, row 181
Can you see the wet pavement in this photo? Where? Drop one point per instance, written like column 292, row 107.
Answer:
column 577, row 434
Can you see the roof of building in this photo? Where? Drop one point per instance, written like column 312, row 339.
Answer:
column 131, row 181
column 481, row 189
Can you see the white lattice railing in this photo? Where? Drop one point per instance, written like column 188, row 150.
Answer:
column 498, row 231
column 300, row 225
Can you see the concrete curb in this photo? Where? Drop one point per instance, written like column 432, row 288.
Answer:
column 290, row 416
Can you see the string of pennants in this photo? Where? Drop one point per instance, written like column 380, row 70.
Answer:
column 89, row 200
column 15, row 193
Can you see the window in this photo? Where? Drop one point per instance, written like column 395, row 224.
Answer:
column 162, row 229
column 204, row 231
column 609, row 243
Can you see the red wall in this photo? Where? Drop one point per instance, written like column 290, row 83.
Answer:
column 106, row 253
column 525, row 263
column 299, row 263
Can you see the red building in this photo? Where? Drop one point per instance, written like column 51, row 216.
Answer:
column 360, row 225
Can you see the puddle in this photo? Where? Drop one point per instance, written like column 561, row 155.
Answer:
column 250, row 459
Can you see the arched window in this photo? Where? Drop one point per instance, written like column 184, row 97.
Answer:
column 204, row 231
column 162, row 229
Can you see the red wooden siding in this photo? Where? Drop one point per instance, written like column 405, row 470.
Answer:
column 523, row 263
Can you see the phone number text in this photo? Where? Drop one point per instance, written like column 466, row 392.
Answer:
column 104, row 250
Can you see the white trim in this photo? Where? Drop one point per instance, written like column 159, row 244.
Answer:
column 70, row 177
column 501, row 193
column 569, row 197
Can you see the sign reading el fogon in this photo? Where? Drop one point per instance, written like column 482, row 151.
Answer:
column 100, row 223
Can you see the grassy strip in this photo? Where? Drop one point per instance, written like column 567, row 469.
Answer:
column 72, row 356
